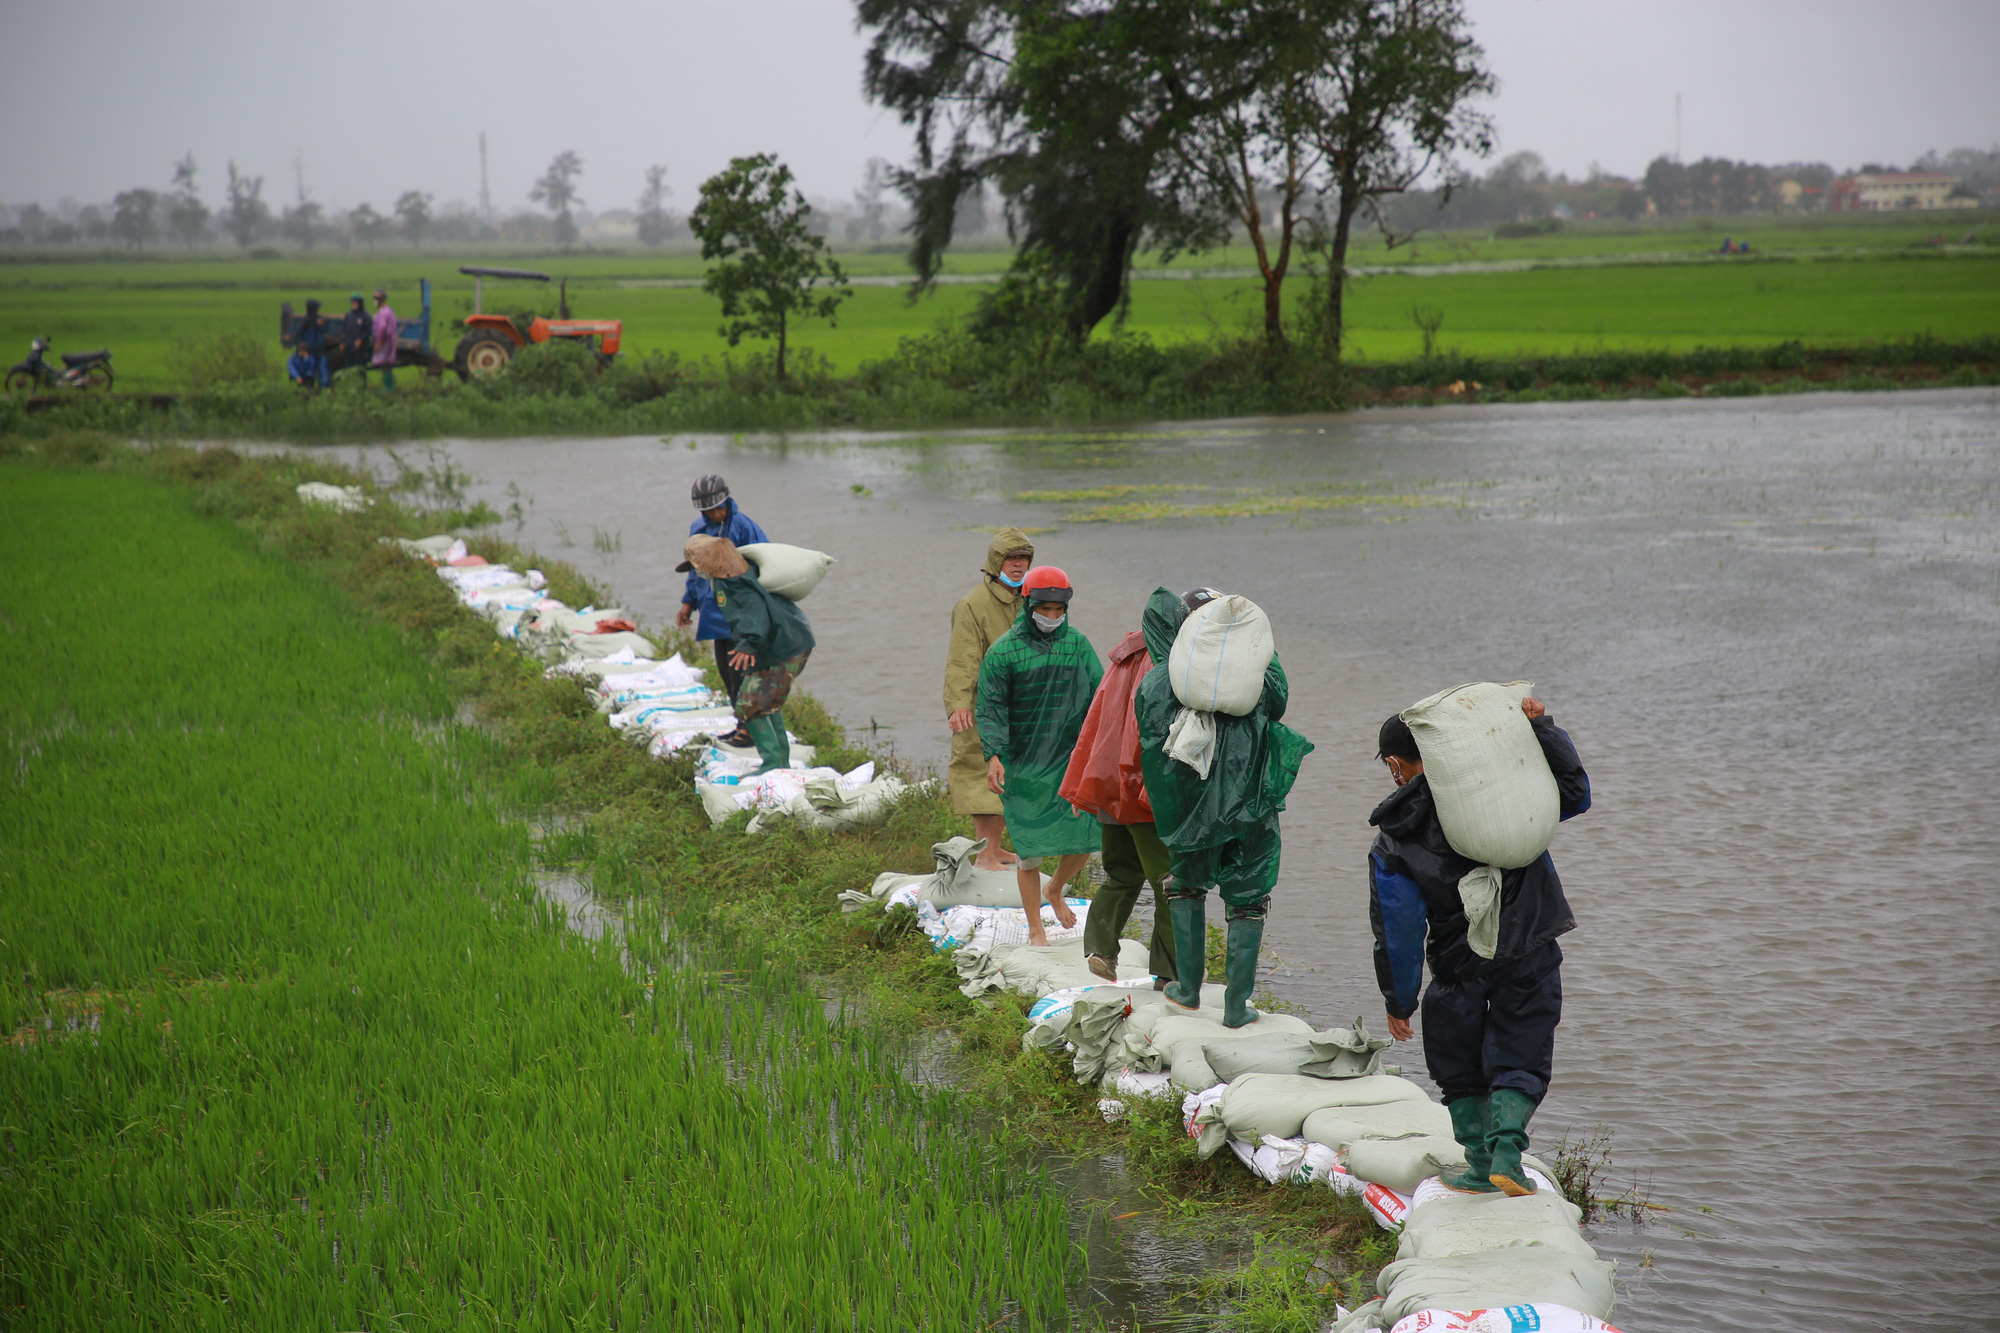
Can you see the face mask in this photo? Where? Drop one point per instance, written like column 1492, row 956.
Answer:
column 1012, row 583
column 1048, row 624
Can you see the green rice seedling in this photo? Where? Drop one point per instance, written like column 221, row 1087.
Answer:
column 344, row 1067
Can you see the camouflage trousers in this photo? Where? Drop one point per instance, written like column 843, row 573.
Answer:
column 765, row 691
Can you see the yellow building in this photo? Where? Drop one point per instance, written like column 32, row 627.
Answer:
column 1895, row 191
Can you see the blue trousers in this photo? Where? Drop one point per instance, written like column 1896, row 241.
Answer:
column 1496, row 1030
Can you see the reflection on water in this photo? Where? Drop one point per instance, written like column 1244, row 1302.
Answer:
column 1772, row 628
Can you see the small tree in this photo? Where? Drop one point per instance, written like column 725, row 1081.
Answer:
column 653, row 223
column 187, row 215
column 247, row 214
column 132, row 217
column 413, row 209
column 771, row 266
column 557, row 189
column 869, row 209
column 1390, row 91
column 301, row 222
column 366, row 225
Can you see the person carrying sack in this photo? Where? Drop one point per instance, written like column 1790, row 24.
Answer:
column 770, row 637
column 1491, row 1010
column 1035, row 688
column 977, row 622
column 717, row 516
column 1104, row 779
column 1216, row 805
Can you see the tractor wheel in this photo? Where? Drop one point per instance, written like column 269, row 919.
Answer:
column 97, row 377
column 21, row 381
column 482, row 354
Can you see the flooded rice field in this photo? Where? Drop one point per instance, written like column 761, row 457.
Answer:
column 1772, row 629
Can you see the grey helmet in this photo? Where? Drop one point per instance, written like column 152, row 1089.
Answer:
column 710, row 491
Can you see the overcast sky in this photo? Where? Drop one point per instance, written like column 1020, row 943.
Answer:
column 379, row 97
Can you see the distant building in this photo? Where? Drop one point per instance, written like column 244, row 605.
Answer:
column 1895, row 191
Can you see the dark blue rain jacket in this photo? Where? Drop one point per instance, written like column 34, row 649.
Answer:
column 742, row 530
column 1413, row 879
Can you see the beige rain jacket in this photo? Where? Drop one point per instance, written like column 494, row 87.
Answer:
column 980, row 618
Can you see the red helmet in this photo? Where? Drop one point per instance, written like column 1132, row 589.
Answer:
column 1046, row 583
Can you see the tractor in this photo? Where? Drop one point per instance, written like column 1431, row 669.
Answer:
column 490, row 341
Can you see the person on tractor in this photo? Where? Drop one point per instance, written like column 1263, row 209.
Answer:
column 719, row 516
column 310, row 337
column 387, row 329
column 357, row 337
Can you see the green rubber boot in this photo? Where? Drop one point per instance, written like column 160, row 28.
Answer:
column 1190, row 950
column 1468, row 1126
column 1246, row 938
column 768, row 732
column 1507, row 1114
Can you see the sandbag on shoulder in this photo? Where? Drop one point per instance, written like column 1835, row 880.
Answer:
column 1338, row 1126
column 1517, row 1275
column 1496, row 798
column 1278, row 1104
column 785, row 571
column 1478, row 1224
column 1402, row 1164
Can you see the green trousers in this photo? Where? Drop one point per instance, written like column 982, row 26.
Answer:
column 1133, row 854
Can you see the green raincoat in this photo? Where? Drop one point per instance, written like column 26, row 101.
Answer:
column 1222, row 830
column 1034, row 690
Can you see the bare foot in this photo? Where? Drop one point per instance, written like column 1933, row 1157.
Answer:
column 1037, row 939
column 1054, row 895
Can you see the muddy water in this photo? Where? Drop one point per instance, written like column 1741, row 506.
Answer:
column 1772, row 628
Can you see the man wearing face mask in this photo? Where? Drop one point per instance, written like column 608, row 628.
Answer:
column 977, row 622
column 1035, row 688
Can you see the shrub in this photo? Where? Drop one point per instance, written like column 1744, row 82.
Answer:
column 560, row 367
column 224, row 358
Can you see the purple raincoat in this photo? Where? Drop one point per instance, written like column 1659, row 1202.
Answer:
column 386, row 328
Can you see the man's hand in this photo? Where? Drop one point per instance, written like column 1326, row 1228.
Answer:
column 685, row 615
column 1399, row 1028
column 996, row 776
column 741, row 660
column 1533, row 708
column 960, row 719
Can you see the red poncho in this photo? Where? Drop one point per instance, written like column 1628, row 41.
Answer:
column 1103, row 775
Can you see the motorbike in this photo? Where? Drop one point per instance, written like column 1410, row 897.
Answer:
column 81, row 370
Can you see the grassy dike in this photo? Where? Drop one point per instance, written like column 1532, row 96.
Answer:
column 291, row 1042
column 337, row 1063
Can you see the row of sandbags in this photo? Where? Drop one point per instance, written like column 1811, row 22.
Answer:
column 666, row 703
column 1303, row 1106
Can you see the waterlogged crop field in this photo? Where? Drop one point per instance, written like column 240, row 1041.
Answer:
column 1861, row 281
column 291, row 1042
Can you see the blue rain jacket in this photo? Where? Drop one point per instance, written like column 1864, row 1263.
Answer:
column 741, row 529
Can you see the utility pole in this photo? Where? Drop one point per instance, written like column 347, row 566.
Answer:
column 485, row 196
column 1677, row 130
column 299, row 172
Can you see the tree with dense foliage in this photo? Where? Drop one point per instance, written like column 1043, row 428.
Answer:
column 653, row 224
column 187, row 215
column 300, row 224
column 367, row 226
column 247, row 214
column 132, row 218
column 1066, row 108
column 413, row 211
column 770, row 267
column 557, row 190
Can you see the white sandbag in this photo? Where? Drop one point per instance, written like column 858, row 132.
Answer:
column 789, row 572
column 1338, row 1126
column 1278, row 1104
column 1405, row 1163
column 1541, row 1318
column 958, row 882
column 1219, row 656
column 1496, row 798
column 1334, row 1053
column 1167, row 1040
column 1479, row 1224
column 1517, row 1275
